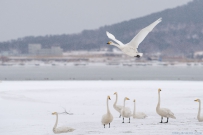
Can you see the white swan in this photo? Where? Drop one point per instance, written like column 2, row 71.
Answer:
column 200, row 118
column 125, row 111
column 58, row 130
column 108, row 117
column 131, row 47
column 138, row 115
column 117, row 107
column 163, row 112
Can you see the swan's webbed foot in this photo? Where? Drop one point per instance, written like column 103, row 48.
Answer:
column 137, row 56
column 123, row 120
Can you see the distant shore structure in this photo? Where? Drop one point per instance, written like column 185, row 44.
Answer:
column 37, row 50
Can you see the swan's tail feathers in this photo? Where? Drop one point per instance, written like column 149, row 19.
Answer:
column 171, row 114
column 173, row 117
column 71, row 130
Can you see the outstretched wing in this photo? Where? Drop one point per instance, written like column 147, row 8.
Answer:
column 143, row 33
column 112, row 37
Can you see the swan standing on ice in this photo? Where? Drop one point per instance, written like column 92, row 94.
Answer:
column 125, row 111
column 108, row 117
column 131, row 47
column 58, row 130
column 138, row 115
column 117, row 107
column 163, row 112
column 200, row 118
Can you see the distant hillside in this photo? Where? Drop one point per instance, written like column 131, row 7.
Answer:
column 180, row 33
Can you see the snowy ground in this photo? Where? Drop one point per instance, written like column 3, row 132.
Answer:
column 26, row 106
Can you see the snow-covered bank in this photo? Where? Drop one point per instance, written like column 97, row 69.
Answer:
column 26, row 106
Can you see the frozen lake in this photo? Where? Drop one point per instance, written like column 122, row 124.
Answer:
column 26, row 106
column 101, row 73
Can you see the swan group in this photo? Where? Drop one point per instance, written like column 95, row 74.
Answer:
column 58, row 130
column 131, row 48
column 163, row 112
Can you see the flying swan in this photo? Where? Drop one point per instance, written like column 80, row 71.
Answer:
column 125, row 111
column 117, row 107
column 138, row 115
column 58, row 130
column 131, row 47
column 163, row 112
column 108, row 117
column 200, row 118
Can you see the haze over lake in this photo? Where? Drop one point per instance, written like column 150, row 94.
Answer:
column 101, row 72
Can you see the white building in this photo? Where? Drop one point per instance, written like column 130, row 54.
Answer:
column 37, row 50
column 198, row 54
column 34, row 48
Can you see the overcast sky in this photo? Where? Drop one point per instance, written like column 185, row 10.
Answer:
column 20, row 18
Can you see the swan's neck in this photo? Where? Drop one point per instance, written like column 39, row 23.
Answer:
column 199, row 112
column 116, row 99
column 107, row 103
column 134, row 109
column 56, row 121
column 158, row 105
column 114, row 44
column 124, row 103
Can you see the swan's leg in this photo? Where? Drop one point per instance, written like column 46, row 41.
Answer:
column 166, row 121
column 109, row 125
column 161, row 120
column 129, row 120
column 104, row 125
column 123, row 119
column 120, row 116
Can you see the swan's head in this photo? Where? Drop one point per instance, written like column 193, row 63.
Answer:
column 110, row 43
column 197, row 100
column 109, row 97
column 54, row 113
column 126, row 98
column 159, row 90
column 134, row 100
column 115, row 93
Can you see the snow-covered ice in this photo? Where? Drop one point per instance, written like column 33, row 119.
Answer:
column 26, row 106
